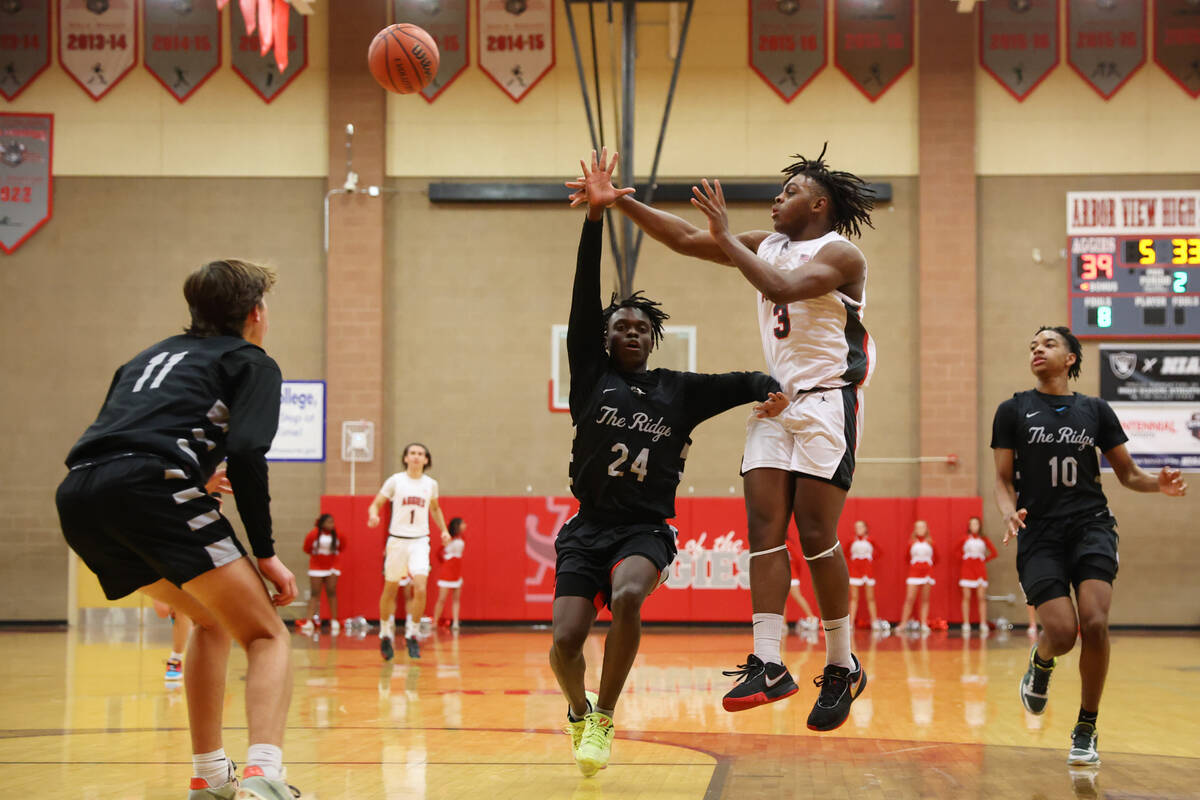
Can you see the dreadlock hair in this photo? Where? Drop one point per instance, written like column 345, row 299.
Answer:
column 850, row 197
column 638, row 301
column 1072, row 345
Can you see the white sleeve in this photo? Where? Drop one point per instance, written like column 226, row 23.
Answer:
column 388, row 489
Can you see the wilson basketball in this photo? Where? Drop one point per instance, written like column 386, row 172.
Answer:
column 403, row 58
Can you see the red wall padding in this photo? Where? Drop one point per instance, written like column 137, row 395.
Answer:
column 508, row 565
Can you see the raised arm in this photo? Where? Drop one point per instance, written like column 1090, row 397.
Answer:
column 709, row 395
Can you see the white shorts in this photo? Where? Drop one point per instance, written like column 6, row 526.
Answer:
column 815, row 436
column 405, row 557
column 862, row 581
column 920, row 581
column 450, row 584
column 975, row 584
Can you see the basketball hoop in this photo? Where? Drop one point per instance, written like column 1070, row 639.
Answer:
column 358, row 444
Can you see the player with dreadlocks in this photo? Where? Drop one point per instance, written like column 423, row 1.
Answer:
column 811, row 284
column 632, row 429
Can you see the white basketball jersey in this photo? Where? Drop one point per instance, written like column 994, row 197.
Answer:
column 410, row 504
column 815, row 343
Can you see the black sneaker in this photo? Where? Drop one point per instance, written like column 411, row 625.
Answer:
column 839, row 688
column 414, row 649
column 385, row 648
column 1034, row 684
column 1083, row 746
column 758, row 683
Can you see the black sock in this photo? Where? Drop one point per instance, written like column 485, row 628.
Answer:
column 1042, row 663
column 1087, row 716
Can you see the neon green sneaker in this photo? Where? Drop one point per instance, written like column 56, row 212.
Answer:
column 200, row 790
column 256, row 786
column 595, row 747
column 576, row 728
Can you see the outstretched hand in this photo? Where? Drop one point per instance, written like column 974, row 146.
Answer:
column 1170, row 481
column 595, row 187
column 712, row 202
column 1013, row 523
column 773, row 406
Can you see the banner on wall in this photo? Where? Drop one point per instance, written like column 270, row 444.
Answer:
column 182, row 43
column 97, row 42
column 873, row 42
column 1177, row 42
column 1018, row 43
column 516, row 43
column 787, row 43
column 1106, row 41
column 446, row 21
column 26, row 176
column 1155, row 392
column 24, row 44
column 259, row 70
column 301, row 432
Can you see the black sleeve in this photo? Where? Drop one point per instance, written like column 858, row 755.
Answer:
column 585, row 344
column 709, row 395
column 254, row 386
column 1004, row 426
column 1110, row 433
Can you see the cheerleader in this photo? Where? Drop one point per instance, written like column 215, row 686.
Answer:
column 324, row 547
column 861, row 564
column 976, row 551
column 920, row 574
column 450, row 576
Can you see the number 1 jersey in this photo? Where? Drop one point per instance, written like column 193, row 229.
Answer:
column 1054, row 439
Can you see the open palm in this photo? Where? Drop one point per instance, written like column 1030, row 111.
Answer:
column 595, row 187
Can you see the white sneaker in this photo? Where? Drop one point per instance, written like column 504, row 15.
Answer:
column 984, row 630
column 965, row 627
column 305, row 627
column 924, row 629
column 334, row 627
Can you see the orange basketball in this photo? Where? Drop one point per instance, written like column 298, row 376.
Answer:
column 403, row 58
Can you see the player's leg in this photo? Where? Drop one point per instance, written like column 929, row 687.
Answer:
column 181, row 630
column 572, row 621
column 413, row 614
column 632, row 582
column 1059, row 624
column 1033, row 623
column 387, row 618
column 1094, row 597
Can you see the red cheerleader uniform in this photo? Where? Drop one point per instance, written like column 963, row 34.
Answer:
column 976, row 552
column 323, row 559
column 450, row 574
column 862, row 561
column 920, row 563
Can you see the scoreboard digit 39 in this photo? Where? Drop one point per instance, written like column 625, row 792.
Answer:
column 1133, row 261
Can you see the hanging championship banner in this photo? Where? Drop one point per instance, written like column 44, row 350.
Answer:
column 446, row 22
column 258, row 70
column 24, row 44
column 1155, row 391
column 787, row 43
column 182, row 43
column 97, row 42
column 1106, row 41
column 1177, row 42
column 26, row 185
column 873, row 42
column 1018, row 42
column 516, row 43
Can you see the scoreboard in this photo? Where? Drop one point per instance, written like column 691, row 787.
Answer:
column 1134, row 264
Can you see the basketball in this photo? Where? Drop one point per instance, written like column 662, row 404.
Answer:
column 403, row 58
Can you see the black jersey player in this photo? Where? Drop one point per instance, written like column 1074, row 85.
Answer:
column 135, row 509
column 632, row 428
column 1048, row 489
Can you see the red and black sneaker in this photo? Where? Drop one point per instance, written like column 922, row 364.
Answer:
column 839, row 687
column 758, row 683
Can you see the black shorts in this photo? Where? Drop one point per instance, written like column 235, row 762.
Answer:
column 138, row 518
column 1054, row 555
column 588, row 551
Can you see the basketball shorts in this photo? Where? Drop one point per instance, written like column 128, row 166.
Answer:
column 814, row 437
column 588, row 551
column 135, row 519
column 405, row 557
column 1055, row 554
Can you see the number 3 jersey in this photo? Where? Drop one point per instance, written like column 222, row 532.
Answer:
column 1054, row 440
column 194, row 401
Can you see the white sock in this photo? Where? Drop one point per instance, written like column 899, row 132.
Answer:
column 213, row 767
column 178, row 657
column 837, row 641
column 768, row 632
column 387, row 629
column 268, row 758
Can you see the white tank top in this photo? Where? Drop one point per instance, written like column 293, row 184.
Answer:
column 410, row 504
column 815, row 343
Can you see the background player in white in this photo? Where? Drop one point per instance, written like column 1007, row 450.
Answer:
column 812, row 288
column 414, row 496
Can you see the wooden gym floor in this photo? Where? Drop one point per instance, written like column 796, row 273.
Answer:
column 85, row 714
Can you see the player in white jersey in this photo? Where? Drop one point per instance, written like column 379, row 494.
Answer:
column 414, row 496
column 812, row 288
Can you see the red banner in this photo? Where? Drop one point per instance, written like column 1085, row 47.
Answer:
column 24, row 44
column 787, row 43
column 182, row 43
column 873, row 42
column 1018, row 43
column 97, row 42
column 26, row 176
column 516, row 43
column 1177, row 42
column 1106, row 41
column 508, row 564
